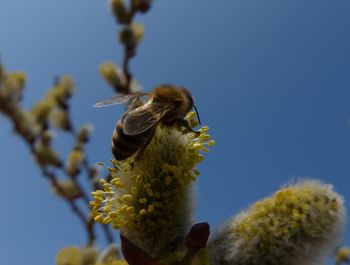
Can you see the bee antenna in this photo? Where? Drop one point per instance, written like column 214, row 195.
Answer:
column 197, row 113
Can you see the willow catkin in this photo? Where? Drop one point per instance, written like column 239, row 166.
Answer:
column 299, row 224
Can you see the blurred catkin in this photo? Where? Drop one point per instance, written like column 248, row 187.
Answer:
column 299, row 224
column 89, row 256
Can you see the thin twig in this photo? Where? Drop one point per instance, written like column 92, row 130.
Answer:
column 94, row 186
column 87, row 222
column 129, row 52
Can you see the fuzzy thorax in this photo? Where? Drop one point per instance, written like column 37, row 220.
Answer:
column 299, row 224
column 149, row 196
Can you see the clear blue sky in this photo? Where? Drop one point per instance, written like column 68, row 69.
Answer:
column 271, row 78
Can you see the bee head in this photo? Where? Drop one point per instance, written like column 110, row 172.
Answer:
column 191, row 104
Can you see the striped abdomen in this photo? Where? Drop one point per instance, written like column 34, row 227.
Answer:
column 124, row 146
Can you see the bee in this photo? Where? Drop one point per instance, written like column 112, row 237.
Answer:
column 166, row 104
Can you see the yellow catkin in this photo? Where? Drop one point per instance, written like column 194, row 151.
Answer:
column 149, row 196
column 299, row 224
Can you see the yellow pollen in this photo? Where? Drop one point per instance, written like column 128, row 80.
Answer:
column 143, row 212
column 211, row 143
column 107, row 221
column 204, row 137
column 113, row 215
column 204, row 129
column 128, row 197
column 130, row 209
column 99, row 218
column 204, row 149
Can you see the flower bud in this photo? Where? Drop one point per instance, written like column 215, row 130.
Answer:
column 25, row 124
column 112, row 74
column 75, row 161
column 66, row 84
column 61, row 91
column 131, row 35
column 59, row 119
column 67, row 189
column 42, row 109
column 138, row 30
column 119, row 10
column 12, row 86
column 84, row 133
column 45, row 156
column 47, row 137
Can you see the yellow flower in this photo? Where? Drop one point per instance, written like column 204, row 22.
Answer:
column 116, row 78
column 119, row 10
column 60, row 119
column 149, row 198
column 61, row 91
column 112, row 74
column 131, row 35
column 12, row 86
column 25, row 124
column 68, row 189
column 299, row 224
column 75, row 161
column 45, row 155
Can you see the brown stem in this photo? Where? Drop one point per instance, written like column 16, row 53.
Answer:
column 94, row 186
column 87, row 222
column 129, row 53
column 128, row 75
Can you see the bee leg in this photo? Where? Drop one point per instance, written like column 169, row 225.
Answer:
column 186, row 125
column 143, row 147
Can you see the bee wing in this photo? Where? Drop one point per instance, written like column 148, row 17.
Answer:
column 122, row 99
column 145, row 117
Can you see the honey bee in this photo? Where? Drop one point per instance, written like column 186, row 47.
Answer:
column 166, row 104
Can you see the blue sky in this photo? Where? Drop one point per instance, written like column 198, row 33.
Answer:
column 271, row 79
